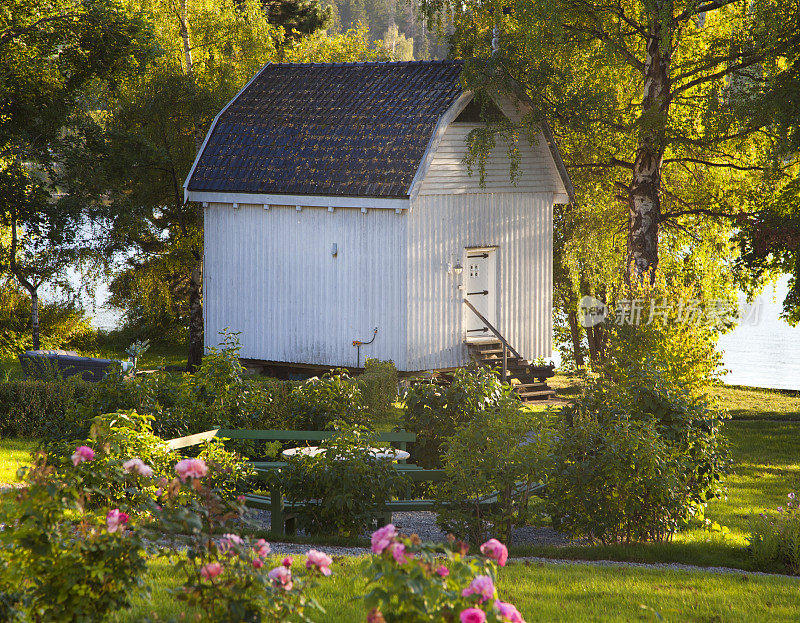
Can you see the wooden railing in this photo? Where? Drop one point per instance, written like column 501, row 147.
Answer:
column 506, row 346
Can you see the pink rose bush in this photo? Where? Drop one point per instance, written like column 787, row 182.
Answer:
column 116, row 520
column 318, row 560
column 191, row 468
column 463, row 589
column 495, row 550
column 82, row 453
column 210, row 571
column 281, row 577
column 137, row 466
column 472, row 615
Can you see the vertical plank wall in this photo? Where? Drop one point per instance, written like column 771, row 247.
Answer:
column 439, row 229
column 454, row 211
column 270, row 274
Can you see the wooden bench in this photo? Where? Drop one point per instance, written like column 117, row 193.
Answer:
column 282, row 513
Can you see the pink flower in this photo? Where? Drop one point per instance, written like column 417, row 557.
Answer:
column 780, row 509
column 399, row 553
column 791, row 496
column 482, row 585
column 382, row 538
column 137, row 466
column 228, row 540
column 82, row 453
column 191, row 468
column 211, row 570
column 495, row 550
column 443, row 571
column 287, row 562
column 258, row 563
column 320, row 561
column 281, row 576
column 472, row 615
column 508, row 612
column 262, row 547
column 116, row 520
column 241, row 499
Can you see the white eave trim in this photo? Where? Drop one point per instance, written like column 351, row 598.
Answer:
column 433, row 144
column 211, row 131
column 322, row 201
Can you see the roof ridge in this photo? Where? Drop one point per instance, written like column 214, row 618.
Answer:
column 456, row 61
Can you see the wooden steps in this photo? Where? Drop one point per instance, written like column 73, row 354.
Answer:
column 528, row 380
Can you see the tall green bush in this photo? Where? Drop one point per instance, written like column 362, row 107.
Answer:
column 492, row 464
column 33, row 409
column 435, row 411
column 317, row 403
column 616, row 480
column 379, row 388
column 341, row 489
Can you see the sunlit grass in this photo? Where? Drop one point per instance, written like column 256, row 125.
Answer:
column 546, row 592
column 13, row 453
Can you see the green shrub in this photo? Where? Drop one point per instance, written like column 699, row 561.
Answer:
column 33, row 409
column 229, row 473
column 379, row 388
column 616, row 480
column 775, row 539
column 502, row 451
column 435, row 411
column 317, row 403
column 59, row 322
column 342, row 489
column 67, row 559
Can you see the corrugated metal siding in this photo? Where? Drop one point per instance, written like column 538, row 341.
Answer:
column 270, row 274
column 448, row 174
column 440, row 227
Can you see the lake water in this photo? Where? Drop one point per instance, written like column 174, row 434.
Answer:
column 767, row 352
column 764, row 353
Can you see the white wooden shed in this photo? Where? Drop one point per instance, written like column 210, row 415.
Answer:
column 337, row 201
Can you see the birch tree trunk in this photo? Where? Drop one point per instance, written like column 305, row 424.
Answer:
column 32, row 288
column 644, row 198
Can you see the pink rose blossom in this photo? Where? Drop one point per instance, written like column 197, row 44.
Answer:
column 211, row 570
column 228, row 540
column 287, row 562
column 320, row 561
column 508, row 612
column 443, row 571
column 82, row 453
column 382, row 538
column 399, row 553
column 191, row 468
column 262, row 547
column 258, row 563
column 137, row 466
column 495, row 550
column 281, row 576
column 472, row 615
column 116, row 520
column 482, row 585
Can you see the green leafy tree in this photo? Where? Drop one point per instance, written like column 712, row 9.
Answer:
column 52, row 54
column 656, row 86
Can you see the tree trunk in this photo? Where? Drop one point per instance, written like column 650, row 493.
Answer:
column 32, row 288
column 35, row 317
column 644, row 193
column 596, row 337
column 196, row 316
column 575, row 332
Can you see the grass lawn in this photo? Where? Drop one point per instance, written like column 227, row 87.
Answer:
column 748, row 403
column 556, row 593
column 13, row 452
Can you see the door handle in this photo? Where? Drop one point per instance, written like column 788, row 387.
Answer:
column 484, row 292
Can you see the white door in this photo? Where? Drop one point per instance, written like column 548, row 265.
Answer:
column 479, row 286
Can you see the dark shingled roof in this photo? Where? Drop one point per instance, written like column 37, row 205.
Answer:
column 348, row 129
